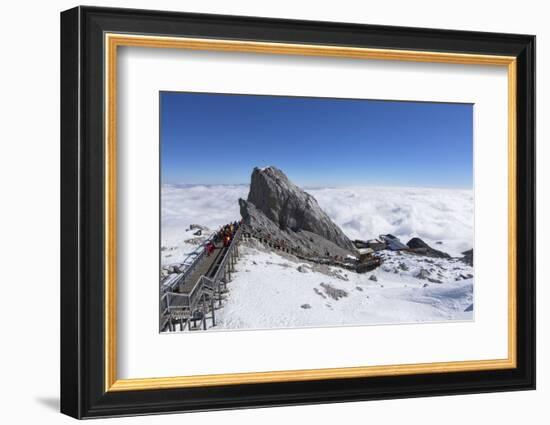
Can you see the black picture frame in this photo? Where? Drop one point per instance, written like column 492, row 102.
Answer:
column 83, row 392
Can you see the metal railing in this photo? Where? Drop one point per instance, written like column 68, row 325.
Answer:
column 189, row 303
column 298, row 252
column 190, row 263
column 213, row 283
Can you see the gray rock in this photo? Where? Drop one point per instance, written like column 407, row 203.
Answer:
column 421, row 247
column 468, row 257
column 302, row 269
column 422, row 274
column 434, row 280
column 333, row 292
column 319, row 293
column 305, row 306
column 288, row 215
column 373, row 278
column 403, row 267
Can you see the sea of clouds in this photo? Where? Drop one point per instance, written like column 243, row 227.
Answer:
column 444, row 218
column 435, row 215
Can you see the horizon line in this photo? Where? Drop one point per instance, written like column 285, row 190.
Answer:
column 330, row 186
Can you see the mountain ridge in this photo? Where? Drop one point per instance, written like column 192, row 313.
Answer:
column 286, row 212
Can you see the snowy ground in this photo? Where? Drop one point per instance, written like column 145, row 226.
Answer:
column 274, row 291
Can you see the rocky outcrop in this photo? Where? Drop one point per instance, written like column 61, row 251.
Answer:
column 421, row 247
column 198, row 227
column 468, row 257
column 280, row 209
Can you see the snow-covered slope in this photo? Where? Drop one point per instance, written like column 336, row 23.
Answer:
column 270, row 290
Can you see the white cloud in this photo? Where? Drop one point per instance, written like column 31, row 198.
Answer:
column 444, row 215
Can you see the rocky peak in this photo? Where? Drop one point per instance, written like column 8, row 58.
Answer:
column 279, row 199
column 292, row 210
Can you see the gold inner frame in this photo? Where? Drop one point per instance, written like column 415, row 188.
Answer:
column 113, row 41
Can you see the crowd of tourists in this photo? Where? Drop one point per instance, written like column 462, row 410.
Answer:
column 224, row 235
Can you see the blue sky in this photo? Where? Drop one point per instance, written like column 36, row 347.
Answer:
column 220, row 138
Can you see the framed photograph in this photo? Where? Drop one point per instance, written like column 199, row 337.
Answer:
column 261, row 212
